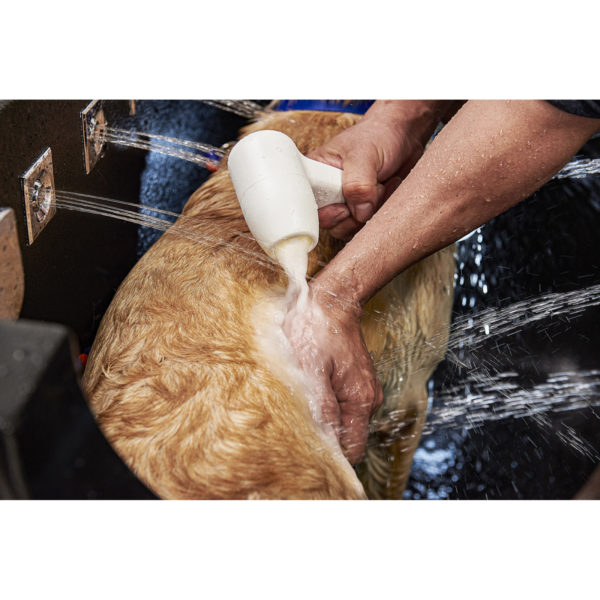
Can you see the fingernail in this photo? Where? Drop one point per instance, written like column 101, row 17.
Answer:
column 363, row 212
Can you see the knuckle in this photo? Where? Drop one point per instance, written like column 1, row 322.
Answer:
column 359, row 191
column 367, row 395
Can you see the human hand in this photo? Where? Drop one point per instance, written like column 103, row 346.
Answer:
column 326, row 338
column 375, row 155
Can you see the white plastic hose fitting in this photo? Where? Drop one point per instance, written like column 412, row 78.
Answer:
column 279, row 189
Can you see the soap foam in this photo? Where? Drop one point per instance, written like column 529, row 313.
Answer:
column 304, row 319
column 287, row 333
column 304, row 384
column 297, row 322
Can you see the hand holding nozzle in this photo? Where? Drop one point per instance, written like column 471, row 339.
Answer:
column 279, row 189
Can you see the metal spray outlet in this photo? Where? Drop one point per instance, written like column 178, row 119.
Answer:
column 93, row 132
column 39, row 195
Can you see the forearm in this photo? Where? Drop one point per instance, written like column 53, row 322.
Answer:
column 489, row 157
column 375, row 155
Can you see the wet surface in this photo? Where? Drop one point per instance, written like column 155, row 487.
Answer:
column 547, row 244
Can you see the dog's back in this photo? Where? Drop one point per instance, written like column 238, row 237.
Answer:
column 177, row 379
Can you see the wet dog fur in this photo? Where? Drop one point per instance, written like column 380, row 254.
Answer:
column 181, row 389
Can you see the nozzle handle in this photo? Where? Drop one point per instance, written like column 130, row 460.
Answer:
column 325, row 180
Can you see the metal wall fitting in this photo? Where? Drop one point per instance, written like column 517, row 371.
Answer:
column 39, row 195
column 93, row 134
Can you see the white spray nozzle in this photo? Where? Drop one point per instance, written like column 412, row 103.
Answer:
column 279, row 189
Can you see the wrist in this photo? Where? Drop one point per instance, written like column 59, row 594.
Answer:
column 338, row 288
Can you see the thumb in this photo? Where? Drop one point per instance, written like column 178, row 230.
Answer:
column 359, row 185
column 325, row 155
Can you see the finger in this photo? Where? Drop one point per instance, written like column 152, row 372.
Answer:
column 381, row 197
column 335, row 215
column 359, row 185
column 357, row 392
column 353, row 435
column 330, row 411
column 355, row 415
column 332, row 215
column 346, row 229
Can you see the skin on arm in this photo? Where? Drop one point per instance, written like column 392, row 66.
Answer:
column 492, row 155
column 375, row 155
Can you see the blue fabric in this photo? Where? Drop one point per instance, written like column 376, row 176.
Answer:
column 168, row 182
column 358, row 107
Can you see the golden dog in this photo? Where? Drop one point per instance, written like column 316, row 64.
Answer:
column 180, row 385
